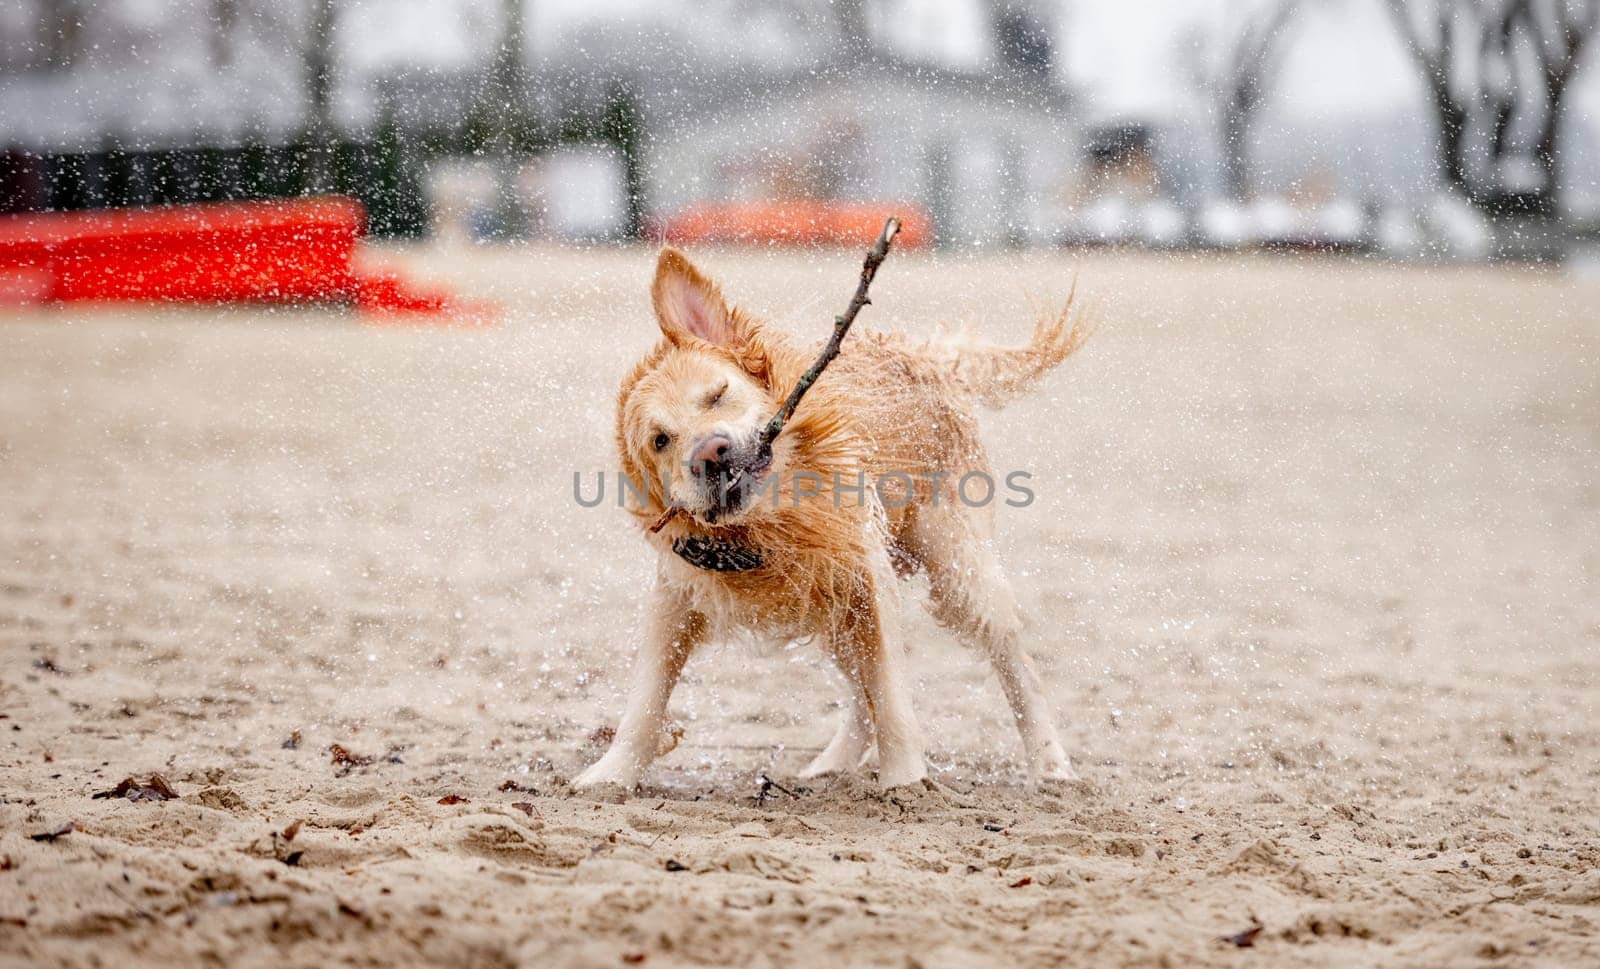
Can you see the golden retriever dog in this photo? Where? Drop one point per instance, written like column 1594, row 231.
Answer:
column 871, row 480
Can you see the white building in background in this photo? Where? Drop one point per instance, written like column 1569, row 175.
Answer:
column 990, row 159
column 573, row 192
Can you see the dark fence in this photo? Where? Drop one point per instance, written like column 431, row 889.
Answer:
column 385, row 174
column 379, row 174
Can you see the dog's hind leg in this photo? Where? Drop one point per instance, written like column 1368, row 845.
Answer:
column 1046, row 757
column 876, row 667
column 969, row 594
column 675, row 630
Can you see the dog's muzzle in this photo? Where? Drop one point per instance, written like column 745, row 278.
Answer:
column 728, row 474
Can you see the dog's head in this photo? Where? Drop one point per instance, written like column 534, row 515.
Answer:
column 691, row 414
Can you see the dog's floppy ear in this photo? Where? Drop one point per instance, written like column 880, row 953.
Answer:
column 688, row 304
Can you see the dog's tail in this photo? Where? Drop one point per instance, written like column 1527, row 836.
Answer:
column 997, row 375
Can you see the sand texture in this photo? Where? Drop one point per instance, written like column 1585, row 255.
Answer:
column 1313, row 578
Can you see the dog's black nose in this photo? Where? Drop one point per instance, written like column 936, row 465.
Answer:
column 711, row 451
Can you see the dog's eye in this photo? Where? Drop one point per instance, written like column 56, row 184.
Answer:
column 662, row 440
column 716, row 396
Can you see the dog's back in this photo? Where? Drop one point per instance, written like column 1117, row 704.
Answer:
column 914, row 403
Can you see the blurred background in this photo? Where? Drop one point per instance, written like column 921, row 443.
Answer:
column 1439, row 129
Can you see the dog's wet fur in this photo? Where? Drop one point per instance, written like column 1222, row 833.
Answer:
column 689, row 417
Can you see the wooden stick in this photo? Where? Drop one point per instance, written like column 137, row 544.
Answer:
column 666, row 516
column 841, row 326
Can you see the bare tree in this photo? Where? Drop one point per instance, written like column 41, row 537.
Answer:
column 224, row 21
column 1497, row 73
column 852, row 21
column 508, row 86
column 1235, row 66
column 61, row 31
column 305, row 32
column 316, row 65
column 1022, row 37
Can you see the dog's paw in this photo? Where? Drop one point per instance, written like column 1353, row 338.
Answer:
column 614, row 771
column 605, row 791
column 1054, row 767
column 819, row 768
column 833, row 761
column 908, row 772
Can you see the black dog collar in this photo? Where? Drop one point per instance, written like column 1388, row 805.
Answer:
column 715, row 555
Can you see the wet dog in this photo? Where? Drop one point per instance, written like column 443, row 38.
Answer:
column 808, row 539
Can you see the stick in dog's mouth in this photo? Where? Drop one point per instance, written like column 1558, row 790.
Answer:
column 729, row 497
column 774, row 427
column 755, row 469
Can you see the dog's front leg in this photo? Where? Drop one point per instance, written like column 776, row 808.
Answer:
column 851, row 742
column 674, row 631
column 861, row 648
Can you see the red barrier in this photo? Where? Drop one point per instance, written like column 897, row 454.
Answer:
column 795, row 222
column 294, row 251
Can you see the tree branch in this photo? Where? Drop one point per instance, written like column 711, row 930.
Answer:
column 841, row 326
column 1434, row 58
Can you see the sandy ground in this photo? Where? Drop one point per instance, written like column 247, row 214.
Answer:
column 1314, row 572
